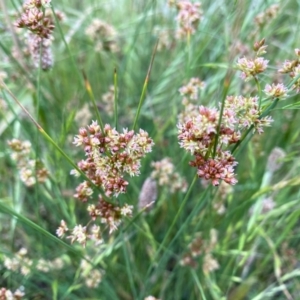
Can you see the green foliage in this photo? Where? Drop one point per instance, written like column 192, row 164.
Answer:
column 256, row 253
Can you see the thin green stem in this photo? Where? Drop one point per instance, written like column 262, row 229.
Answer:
column 226, row 85
column 129, row 269
column 144, row 88
column 65, row 42
column 180, row 210
column 116, row 98
column 92, row 97
column 258, row 91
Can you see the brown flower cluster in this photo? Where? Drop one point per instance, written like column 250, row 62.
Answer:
column 251, row 67
column 188, row 17
column 6, row 294
column 40, row 26
column 292, row 67
column 30, row 170
column 198, row 136
column 202, row 247
column 92, row 277
column 190, row 93
column 164, row 173
column 267, row 16
column 104, row 35
column 164, row 38
column 110, row 155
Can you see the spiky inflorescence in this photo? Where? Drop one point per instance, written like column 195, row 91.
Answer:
column 251, row 67
column 200, row 246
column 188, row 17
column 30, row 170
column 198, row 136
column 292, row 67
column 40, row 26
column 110, row 155
column 190, row 93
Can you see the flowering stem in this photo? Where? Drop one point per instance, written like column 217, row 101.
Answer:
column 264, row 113
column 92, row 97
column 65, row 42
column 226, row 85
column 258, row 90
column 116, row 98
column 195, row 212
column 144, row 87
column 162, row 245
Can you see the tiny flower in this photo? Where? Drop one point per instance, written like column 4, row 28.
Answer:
column 75, row 173
column 95, row 235
column 251, row 67
column 288, row 66
column 79, row 235
column 62, row 229
column 276, row 90
column 126, row 210
column 93, row 278
column 297, row 52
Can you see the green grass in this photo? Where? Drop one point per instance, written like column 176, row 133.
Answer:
column 257, row 254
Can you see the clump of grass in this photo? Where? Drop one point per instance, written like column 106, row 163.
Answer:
column 187, row 185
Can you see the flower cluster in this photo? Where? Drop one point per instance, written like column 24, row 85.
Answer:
column 110, row 155
column 190, row 93
column 250, row 67
column 104, row 35
column 40, row 26
column 164, row 38
column 92, row 277
column 109, row 214
column 22, row 264
column 198, row 136
column 201, row 247
column 164, row 173
column 6, row 294
column 188, row 17
column 108, row 100
column 266, row 16
column 242, row 113
column 292, row 67
column 276, row 90
column 191, row 90
column 223, row 193
column 30, row 170
column 33, row 18
column 83, row 115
